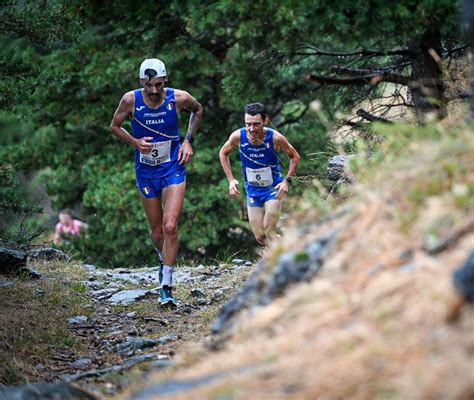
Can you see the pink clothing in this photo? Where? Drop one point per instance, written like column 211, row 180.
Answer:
column 74, row 229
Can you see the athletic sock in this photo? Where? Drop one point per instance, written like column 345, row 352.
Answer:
column 167, row 275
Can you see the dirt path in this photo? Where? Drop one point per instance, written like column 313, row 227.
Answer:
column 116, row 328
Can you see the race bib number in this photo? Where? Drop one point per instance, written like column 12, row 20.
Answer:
column 259, row 177
column 159, row 154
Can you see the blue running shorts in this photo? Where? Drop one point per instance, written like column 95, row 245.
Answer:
column 259, row 199
column 153, row 187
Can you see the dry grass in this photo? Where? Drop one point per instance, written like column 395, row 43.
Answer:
column 37, row 343
column 34, row 326
column 372, row 325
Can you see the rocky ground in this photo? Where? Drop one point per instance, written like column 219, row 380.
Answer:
column 123, row 330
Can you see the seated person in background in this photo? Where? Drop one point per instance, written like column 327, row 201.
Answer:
column 67, row 226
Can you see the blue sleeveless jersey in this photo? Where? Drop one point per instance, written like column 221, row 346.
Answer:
column 260, row 163
column 161, row 124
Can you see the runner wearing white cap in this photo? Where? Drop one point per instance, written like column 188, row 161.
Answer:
column 160, row 157
column 154, row 64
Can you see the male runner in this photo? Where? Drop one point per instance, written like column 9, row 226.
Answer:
column 160, row 158
column 265, row 186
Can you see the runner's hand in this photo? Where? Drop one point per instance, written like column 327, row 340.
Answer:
column 282, row 190
column 185, row 152
column 144, row 145
column 233, row 188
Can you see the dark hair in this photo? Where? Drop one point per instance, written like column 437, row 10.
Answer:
column 150, row 73
column 256, row 108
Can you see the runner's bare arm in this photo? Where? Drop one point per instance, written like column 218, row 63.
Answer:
column 188, row 102
column 124, row 111
column 226, row 149
column 185, row 101
column 281, row 143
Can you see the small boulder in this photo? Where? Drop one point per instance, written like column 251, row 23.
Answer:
column 48, row 253
column 11, row 260
column 198, row 293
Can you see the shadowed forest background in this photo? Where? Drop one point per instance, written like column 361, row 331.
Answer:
column 325, row 70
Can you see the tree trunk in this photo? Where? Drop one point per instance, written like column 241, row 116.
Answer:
column 427, row 78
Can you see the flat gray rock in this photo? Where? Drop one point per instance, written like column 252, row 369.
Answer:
column 167, row 339
column 126, row 297
column 80, row 319
column 81, row 363
column 131, row 344
column 103, row 294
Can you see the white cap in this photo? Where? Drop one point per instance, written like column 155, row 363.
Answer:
column 155, row 64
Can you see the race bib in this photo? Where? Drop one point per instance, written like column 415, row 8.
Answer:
column 259, row 177
column 159, row 154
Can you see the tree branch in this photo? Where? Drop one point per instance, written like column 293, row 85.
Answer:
column 314, row 51
column 450, row 52
column 354, row 71
column 365, row 72
column 340, row 81
column 362, row 77
column 358, row 124
column 372, row 118
column 378, row 74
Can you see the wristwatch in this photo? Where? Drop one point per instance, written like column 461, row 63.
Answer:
column 189, row 138
column 289, row 179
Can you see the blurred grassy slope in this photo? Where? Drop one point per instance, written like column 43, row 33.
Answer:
column 372, row 324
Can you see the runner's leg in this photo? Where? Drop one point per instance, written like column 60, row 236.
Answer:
column 256, row 215
column 173, row 197
column 154, row 215
column 270, row 220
